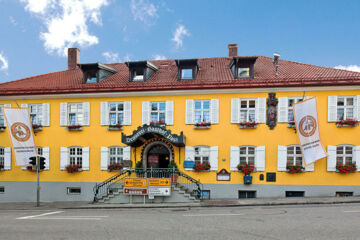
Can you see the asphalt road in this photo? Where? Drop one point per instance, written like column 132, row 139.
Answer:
column 278, row 222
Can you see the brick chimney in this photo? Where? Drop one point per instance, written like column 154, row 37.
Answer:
column 233, row 50
column 73, row 58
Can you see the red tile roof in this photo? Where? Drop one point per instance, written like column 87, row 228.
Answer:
column 214, row 73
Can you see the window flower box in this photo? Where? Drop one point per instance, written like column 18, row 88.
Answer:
column 2, row 128
column 159, row 123
column 37, row 127
column 113, row 167
column 252, row 124
column 73, row 168
column 116, row 127
column 347, row 123
column 246, row 168
column 295, row 169
column 200, row 167
column 346, row 168
column 291, row 124
column 202, row 125
column 74, row 127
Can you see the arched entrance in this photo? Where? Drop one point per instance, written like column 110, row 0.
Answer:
column 157, row 154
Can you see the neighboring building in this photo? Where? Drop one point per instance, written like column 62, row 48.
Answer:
column 201, row 102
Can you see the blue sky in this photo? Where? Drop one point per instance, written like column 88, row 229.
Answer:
column 36, row 33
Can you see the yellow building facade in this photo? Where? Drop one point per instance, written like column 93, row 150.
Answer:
column 219, row 141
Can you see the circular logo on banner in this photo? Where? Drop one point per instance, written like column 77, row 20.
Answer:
column 20, row 131
column 307, row 126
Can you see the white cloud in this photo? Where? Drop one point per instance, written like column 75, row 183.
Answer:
column 111, row 57
column 179, row 35
column 158, row 57
column 144, row 11
column 4, row 64
column 354, row 68
column 67, row 22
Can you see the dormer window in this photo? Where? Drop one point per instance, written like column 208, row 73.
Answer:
column 95, row 72
column 187, row 69
column 243, row 67
column 141, row 71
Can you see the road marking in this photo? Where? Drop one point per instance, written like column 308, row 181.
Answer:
column 210, row 215
column 40, row 215
column 354, row 211
column 67, row 218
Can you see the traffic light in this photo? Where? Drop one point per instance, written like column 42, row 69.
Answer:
column 32, row 161
column 42, row 163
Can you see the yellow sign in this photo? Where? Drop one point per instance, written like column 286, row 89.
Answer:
column 135, row 182
column 159, row 181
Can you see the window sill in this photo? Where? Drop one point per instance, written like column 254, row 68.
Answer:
column 115, row 128
column 162, row 125
column 291, row 125
column 202, row 127
column 247, row 127
column 74, row 128
column 37, row 129
column 339, row 125
column 2, row 129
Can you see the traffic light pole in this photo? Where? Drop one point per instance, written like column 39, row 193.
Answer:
column 38, row 183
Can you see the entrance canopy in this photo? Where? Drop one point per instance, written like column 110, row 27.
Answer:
column 146, row 132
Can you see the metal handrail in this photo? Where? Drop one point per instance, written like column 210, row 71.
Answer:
column 178, row 179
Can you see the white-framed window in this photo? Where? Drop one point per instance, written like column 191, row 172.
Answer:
column 158, row 111
column 75, row 113
column 2, row 157
column 285, row 108
column 116, row 154
column 39, row 151
column 74, row 155
column 202, row 111
column 36, row 113
column 5, row 158
column 247, row 110
column 202, row 154
column 344, row 154
column 249, row 154
column 116, row 113
column 291, row 101
column 294, row 156
column 44, row 152
column 2, row 118
column 343, row 107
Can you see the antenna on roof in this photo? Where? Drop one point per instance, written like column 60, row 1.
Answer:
column 276, row 62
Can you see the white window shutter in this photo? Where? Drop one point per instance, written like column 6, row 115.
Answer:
column 85, row 158
column 46, row 155
column 104, row 113
column 214, row 162
column 282, row 158
column 260, row 110
column 235, row 110
column 24, row 105
column 64, row 157
column 146, row 112
column 234, row 158
column 104, row 158
column 7, row 158
column 332, row 108
column 189, row 153
column 45, row 114
column 331, row 159
column 63, row 114
column 357, row 105
column 260, row 158
column 86, row 109
column 127, row 113
column 189, row 112
column 214, row 111
column 169, row 114
column 357, row 157
column 283, row 110
column 127, row 153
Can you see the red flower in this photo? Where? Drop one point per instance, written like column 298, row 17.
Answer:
column 248, row 124
column 201, row 166
column 346, row 168
column 246, row 168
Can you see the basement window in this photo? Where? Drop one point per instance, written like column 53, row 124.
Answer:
column 2, row 189
column 73, row 190
column 294, row 194
column 344, row 194
column 247, row 194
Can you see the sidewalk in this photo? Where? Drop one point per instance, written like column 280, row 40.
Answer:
column 207, row 203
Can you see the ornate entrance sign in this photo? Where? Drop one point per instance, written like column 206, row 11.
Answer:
column 148, row 131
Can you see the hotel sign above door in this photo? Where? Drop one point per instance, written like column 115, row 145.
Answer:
column 148, row 131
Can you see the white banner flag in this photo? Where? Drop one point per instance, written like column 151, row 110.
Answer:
column 18, row 123
column 307, row 126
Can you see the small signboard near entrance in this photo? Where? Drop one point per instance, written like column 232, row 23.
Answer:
column 159, row 191
column 135, row 191
column 159, row 182
column 135, row 183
